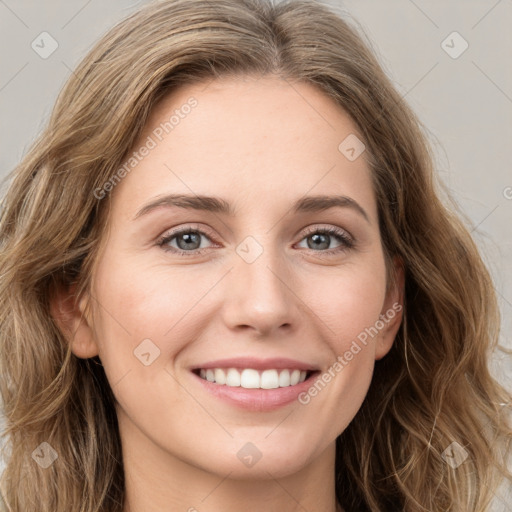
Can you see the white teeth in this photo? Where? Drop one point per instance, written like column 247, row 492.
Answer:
column 295, row 377
column 220, row 376
column 250, row 379
column 253, row 379
column 233, row 378
column 284, row 379
column 269, row 379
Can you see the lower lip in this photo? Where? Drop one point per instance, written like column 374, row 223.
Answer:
column 257, row 399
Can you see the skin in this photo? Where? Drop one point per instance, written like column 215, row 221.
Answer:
column 275, row 144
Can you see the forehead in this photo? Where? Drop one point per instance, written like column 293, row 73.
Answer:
column 237, row 137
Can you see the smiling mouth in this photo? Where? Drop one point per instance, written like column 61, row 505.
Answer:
column 250, row 378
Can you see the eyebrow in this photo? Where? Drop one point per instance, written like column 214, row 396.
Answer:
column 213, row 204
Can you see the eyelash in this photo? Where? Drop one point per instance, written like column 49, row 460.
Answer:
column 347, row 242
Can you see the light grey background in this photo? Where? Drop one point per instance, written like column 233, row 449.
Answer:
column 465, row 103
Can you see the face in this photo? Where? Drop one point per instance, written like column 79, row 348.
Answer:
column 208, row 314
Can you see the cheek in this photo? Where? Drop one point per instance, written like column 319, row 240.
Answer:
column 349, row 301
column 350, row 308
column 137, row 302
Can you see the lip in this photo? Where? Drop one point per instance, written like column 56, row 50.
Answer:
column 275, row 363
column 256, row 400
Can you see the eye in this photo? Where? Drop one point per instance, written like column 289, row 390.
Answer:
column 184, row 241
column 188, row 241
column 319, row 239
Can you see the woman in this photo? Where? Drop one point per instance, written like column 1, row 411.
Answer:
column 227, row 278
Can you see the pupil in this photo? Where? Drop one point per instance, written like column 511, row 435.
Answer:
column 318, row 240
column 188, row 239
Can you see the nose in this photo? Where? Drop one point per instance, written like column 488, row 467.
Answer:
column 259, row 295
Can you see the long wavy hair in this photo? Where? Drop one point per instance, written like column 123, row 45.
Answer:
column 432, row 389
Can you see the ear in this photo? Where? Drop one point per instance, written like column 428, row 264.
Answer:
column 69, row 315
column 392, row 311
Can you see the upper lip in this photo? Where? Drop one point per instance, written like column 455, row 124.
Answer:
column 277, row 363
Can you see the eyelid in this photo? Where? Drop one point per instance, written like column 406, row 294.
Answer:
column 335, row 230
